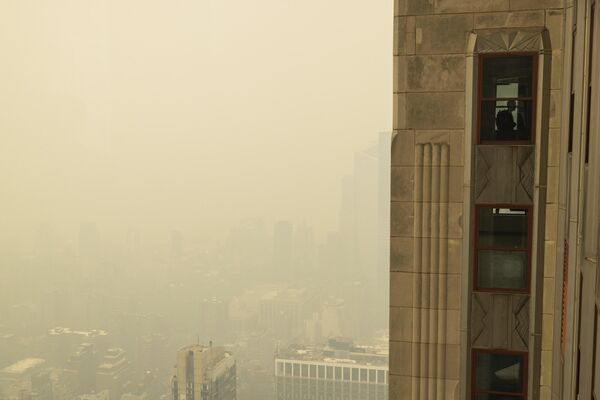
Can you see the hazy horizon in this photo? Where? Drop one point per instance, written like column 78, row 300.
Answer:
column 156, row 116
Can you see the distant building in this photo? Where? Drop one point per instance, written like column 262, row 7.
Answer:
column 114, row 374
column 284, row 311
column 339, row 370
column 64, row 341
column 41, row 385
column 83, row 363
column 15, row 379
column 204, row 373
column 282, row 249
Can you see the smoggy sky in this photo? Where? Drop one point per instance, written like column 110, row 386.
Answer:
column 179, row 114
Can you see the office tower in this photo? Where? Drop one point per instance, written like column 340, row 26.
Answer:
column 204, row 373
column 114, row 373
column 84, row 364
column 339, row 370
column 495, row 200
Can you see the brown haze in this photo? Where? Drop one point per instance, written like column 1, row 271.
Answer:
column 160, row 115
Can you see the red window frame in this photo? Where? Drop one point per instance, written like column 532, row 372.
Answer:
column 475, row 392
column 527, row 249
column 533, row 98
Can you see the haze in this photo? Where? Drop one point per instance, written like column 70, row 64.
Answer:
column 178, row 175
column 186, row 114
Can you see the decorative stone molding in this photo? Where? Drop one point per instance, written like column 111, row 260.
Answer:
column 500, row 321
column 504, row 174
column 504, row 40
column 431, row 266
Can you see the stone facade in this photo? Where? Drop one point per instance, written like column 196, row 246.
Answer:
column 440, row 172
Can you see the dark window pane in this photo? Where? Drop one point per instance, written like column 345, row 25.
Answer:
column 372, row 378
column 296, row 369
column 355, row 374
column 499, row 372
column 338, row 373
column 380, row 376
column 321, row 371
column 363, row 375
column 346, row 374
column 508, row 77
column 506, row 120
column 305, row 370
column 288, row 369
column 503, row 227
column 313, row 371
column 329, row 372
column 501, row 269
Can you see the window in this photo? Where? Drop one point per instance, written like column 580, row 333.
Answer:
column 346, row 373
column 499, row 375
column 355, row 374
column 502, row 249
column 321, row 372
column 380, row 376
column 572, row 98
column 507, row 89
column 329, row 372
column 305, row 370
column 313, row 371
column 363, row 375
column 372, row 378
column 589, row 83
column 338, row 373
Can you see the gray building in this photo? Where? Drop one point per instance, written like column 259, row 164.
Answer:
column 495, row 200
column 339, row 370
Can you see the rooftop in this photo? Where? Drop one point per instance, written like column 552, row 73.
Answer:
column 338, row 351
column 23, row 366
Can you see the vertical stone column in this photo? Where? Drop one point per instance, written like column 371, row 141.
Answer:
column 430, row 280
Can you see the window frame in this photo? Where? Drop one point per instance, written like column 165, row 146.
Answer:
column 525, row 357
column 534, row 87
column 527, row 288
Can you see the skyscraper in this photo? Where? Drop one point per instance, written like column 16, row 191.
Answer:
column 204, row 373
column 495, row 200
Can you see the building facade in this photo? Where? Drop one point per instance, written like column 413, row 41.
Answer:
column 495, row 200
column 339, row 371
column 204, row 373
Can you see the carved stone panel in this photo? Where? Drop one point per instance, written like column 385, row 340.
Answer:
column 504, row 174
column 503, row 40
column 500, row 321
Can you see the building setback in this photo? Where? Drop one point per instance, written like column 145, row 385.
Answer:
column 204, row 373
column 495, row 200
column 339, row 371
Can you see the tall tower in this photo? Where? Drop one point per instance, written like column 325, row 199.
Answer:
column 204, row 373
column 495, row 200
